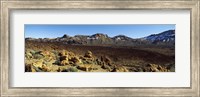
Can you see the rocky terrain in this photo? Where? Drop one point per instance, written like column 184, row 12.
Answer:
column 67, row 61
column 101, row 53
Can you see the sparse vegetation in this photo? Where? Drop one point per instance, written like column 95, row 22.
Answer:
column 43, row 57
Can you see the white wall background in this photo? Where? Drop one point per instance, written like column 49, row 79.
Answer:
column 180, row 78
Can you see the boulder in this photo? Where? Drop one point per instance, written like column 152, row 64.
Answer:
column 64, row 62
column 45, row 53
column 71, row 54
column 75, row 60
column 155, row 68
column 62, row 53
column 45, row 68
column 29, row 68
column 106, row 60
column 59, row 70
column 81, row 67
column 88, row 54
column 104, row 66
column 63, row 58
column 38, row 63
column 120, row 69
column 85, row 67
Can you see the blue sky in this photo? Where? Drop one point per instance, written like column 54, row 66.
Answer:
column 130, row 30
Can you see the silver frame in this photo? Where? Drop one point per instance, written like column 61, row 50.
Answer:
column 8, row 5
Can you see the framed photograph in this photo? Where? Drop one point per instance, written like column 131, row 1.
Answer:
column 100, row 48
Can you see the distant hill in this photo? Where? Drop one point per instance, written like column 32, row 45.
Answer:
column 164, row 38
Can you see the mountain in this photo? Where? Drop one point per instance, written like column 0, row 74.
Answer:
column 121, row 38
column 98, row 36
column 166, row 37
column 65, row 36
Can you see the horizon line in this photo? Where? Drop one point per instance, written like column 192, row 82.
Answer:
column 98, row 33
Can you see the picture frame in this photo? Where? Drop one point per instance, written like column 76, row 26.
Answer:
column 8, row 5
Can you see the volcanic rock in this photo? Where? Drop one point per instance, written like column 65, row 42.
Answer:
column 88, row 54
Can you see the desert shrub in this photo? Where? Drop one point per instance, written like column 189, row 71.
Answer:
column 88, row 61
column 32, row 52
column 44, row 68
column 57, row 62
column 44, row 62
column 36, row 69
column 73, row 69
column 77, row 64
column 38, row 52
column 28, row 55
column 70, row 69
column 55, row 53
column 47, row 63
column 38, row 56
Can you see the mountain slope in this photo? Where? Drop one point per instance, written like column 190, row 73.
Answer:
column 166, row 37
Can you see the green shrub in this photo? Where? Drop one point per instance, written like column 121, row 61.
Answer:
column 32, row 52
column 55, row 53
column 73, row 69
column 38, row 52
column 57, row 62
column 38, row 56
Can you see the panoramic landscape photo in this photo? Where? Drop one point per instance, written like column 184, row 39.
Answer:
column 99, row 47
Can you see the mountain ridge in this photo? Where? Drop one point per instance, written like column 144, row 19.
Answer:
column 165, row 37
